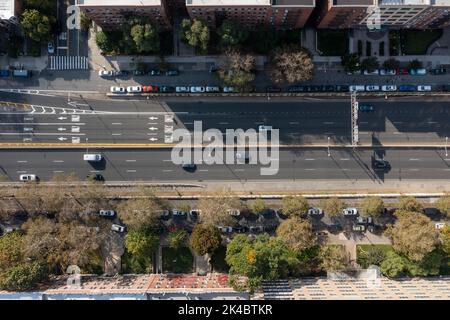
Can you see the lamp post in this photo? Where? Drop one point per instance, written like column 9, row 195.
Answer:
column 446, row 141
column 328, row 147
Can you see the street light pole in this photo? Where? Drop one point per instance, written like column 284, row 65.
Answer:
column 446, row 141
column 328, row 147
column 87, row 147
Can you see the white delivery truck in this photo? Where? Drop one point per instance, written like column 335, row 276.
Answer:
column 92, row 157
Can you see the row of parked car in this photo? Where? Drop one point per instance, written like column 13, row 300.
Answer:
column 124, row 73
column 403, row 72
column 170, row 89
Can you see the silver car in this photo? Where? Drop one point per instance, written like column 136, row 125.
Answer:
column 350, row 212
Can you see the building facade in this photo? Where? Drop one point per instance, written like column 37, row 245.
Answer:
column 9, row 22
column 280, row 14
column 113, row 14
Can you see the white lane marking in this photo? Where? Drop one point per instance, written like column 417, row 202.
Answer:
column 203, row 170
column 41, row 134
column 344, row 159
column 447, row 169
column 22, row 161
column 152, row 134
column 309, row 159
column 414, row 159
column 167, row 170
column 447, row 159
column 239, row 169
column 58, row 171
column 130, row 160
column 310, row 169
column 116, row 123
column 345, row 169
column 21, row 171
column 58, row 161
column 328, row 122
column 116, row 134
column 414, row 169
column 396, row 132
column 38, row 124
column 432, row 122
column 94, row 171
column 294, row 122
column 152, row 123
column 131, row 170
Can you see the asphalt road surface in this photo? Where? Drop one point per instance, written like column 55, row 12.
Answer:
column 142, row 121
column 156, row 165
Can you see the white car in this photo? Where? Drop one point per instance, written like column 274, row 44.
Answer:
column 315, row 211
column 198, row 89
column 177, row 212
column 423, row 88
column 372, row 88
column 117, row 228
column 134, row 89
column 357, row 88
column 107, row 213
column 386, row 72
column 234, row 212
column 389, row 88
column 50, row 48
column 27, row 177
column 264, row 128
column 182, row 89
column 350, row 212
column 92, row 157
column 371, row 73
column 106, row 73
column 439, row 225
column 228, row 89
column 118, row 90
column 225, row 229
column 213, row 89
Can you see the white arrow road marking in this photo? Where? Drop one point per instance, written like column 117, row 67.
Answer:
column 61, row 129
column 62, row 139
column 153, row 118
column 152, row 128
column 62, row 118
column 153, row 139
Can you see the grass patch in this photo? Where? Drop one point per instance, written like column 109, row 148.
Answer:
column 378, row 253
column 332, row 42
column 218, row 260
column 177, row 261
column 416, row 42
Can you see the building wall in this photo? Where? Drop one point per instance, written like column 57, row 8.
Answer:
column 338, row 17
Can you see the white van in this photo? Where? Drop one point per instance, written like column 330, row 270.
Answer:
column 92, row 157
column 27, row 177
column 357, row 88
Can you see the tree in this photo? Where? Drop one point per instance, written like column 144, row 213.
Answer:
column 407, row 203
column 236, row 69
column 413, row 235
column 372, row 256
column 297, row 233
column 291, row 63
column 370, row 64
column 443, row 204
column 391, row 64
column 231, row 33
column 257, row 206
column 372, row 207
column 350, row 62
column 140, row 213
column 42, row 5
column 104, row 42
column 295, row 206
column 215, row 209
column 85, row 22
column 205, row 239
column 140, row 246
column 393, row 266
column 415, row 64
column 333, row 206
column 333, row 258
column 11, row 250
column 35, row 25
column 196, row 34
column 23, row 276
column 145, row 37
column 445, row 240
column 178, row 238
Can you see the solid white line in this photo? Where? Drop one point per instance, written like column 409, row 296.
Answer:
column 344, row 159
column 310, row 169
column 396, row 132
column 413, row 169
column 94, row 171
column 310, row 159
column 116, row 134
column 58, row 161
column 58, row 171
column 41, row 134
column 22, row 161
column 130, row 160
column 345, row 169
column 167, row 170
column 131, row 170
column 39, row 124
column 152, row 123
column 203, row 170
column 117, row 123
column 414, row 159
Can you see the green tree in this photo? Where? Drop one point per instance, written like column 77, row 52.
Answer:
column 236, row 69
column 41, row 5
column 333, row 206
column 23, row 276
column 372, row 207
column 350, row 62
column 145, row 37
column 85, row 22
column 445, row 240
column 295, row 206
column 11, row 250
column 35, row 25
column 291, row 63
column 297, row 233
column 415, row 64
column 205, row 239
column 196, row 34
column 370, row 64
column 215, row 209
column 104, row 42
column 407, row 203
column 391, row 64
column 257, row 206
column 231, row 33
column 443, row 204
column 140, row 213
column 333, row 258
column 141, row 245
column 372, row 256
column 393, row 266
column 413, row 236
column 178, row 238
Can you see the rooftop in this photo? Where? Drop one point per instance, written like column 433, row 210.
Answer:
column 220, row 3
column 7, row 9
column 404, row 2
column 353, row 3
column 121, row 3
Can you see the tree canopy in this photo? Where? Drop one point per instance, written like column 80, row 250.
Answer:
column 196, row 34
column 297, row 233
column 231, row 33
column 236, row 69
column 291, row 63
column 443, row 204
column 333, row 206
column 333, row 258
column 35, row 25
column 205, row 239
column 372, row 207
column 350, row 62
column 215, row 209
column 145, row 37
column 370, row 64
column 408, row 203
column 140, row 213
column 295, row 206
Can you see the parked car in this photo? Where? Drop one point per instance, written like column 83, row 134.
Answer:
column 342, row 88
column 28, row 177
column 389, row 88
column 315, row 211
column 139, row 73
column 240, row 229
column 134, row 89
column 418, row 72
column 439, row 225
column 372, row 88
column 117, row 228
column 229, row 89
column 165, row 214
column 212, row 89
column 150, row 88
column 178, row 213
column 118, row 90
column 172, row 73
column 154, row 72
column 359, row 228
column 50, row 48
column 438, row 71
column 225, row 229
column 193, row 214
column 107, row 213
column 4, row 73
column 407, row 88
column 234, row 212
column 357, row 88
column 273, row 89
column 350, row 212
column 197, row 89
column 121, row 73
column 256, row 229
column 387, row 72
column 361, row 220
column 106, row 73
column 296, row 89
column 423, row 88
column 166, row 89
column 182, row 89
column 189, row 166
column 365, row 107
column 264, row 128
column 402, row 72
column 371, row 73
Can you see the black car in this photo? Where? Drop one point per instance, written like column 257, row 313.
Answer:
column 342, row 88
column 314, row 88
column 380, row 164
column 121, row 73
column 154, row 72
column 172, row 73
column 329, row 88
column 95, row 177
column 296, row 89
column 240, row 229
column 166, row 89
column 439, row 71
column 189, row 166
column 139, row 73
column 273, row 89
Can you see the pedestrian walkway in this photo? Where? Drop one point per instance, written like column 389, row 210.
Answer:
column 68, row 63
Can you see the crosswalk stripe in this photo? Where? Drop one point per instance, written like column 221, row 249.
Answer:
column 68, row 63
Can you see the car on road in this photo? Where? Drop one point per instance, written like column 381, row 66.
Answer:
column 342, row 88
column 212, row 89
column 365, row 107
column 197, row 89
column 359, row 228
column 172, row 73
column 407, row 88
column 315, row 211
column 150, row 88
column 357, row 88
column 402, row 72
column 92, row 157
column 387, row 72
column 371, row 73
column 118, row 90
column 107, row 213
column 28, row 177
column 95, row 177
column 380, row 164
column 418, row 72
column 372, row 88
column 273, row 89
column 181, row 89
column 134, row 89
column 350, row 212
column 389, row 88
column 438, row 71
column 229, row 89
column 189, row 166
column 118, row 228
column 50, row 48
column 154, row 72
column 106, row 73
column 166, row 89
column 423, row 88
column 265, row 128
